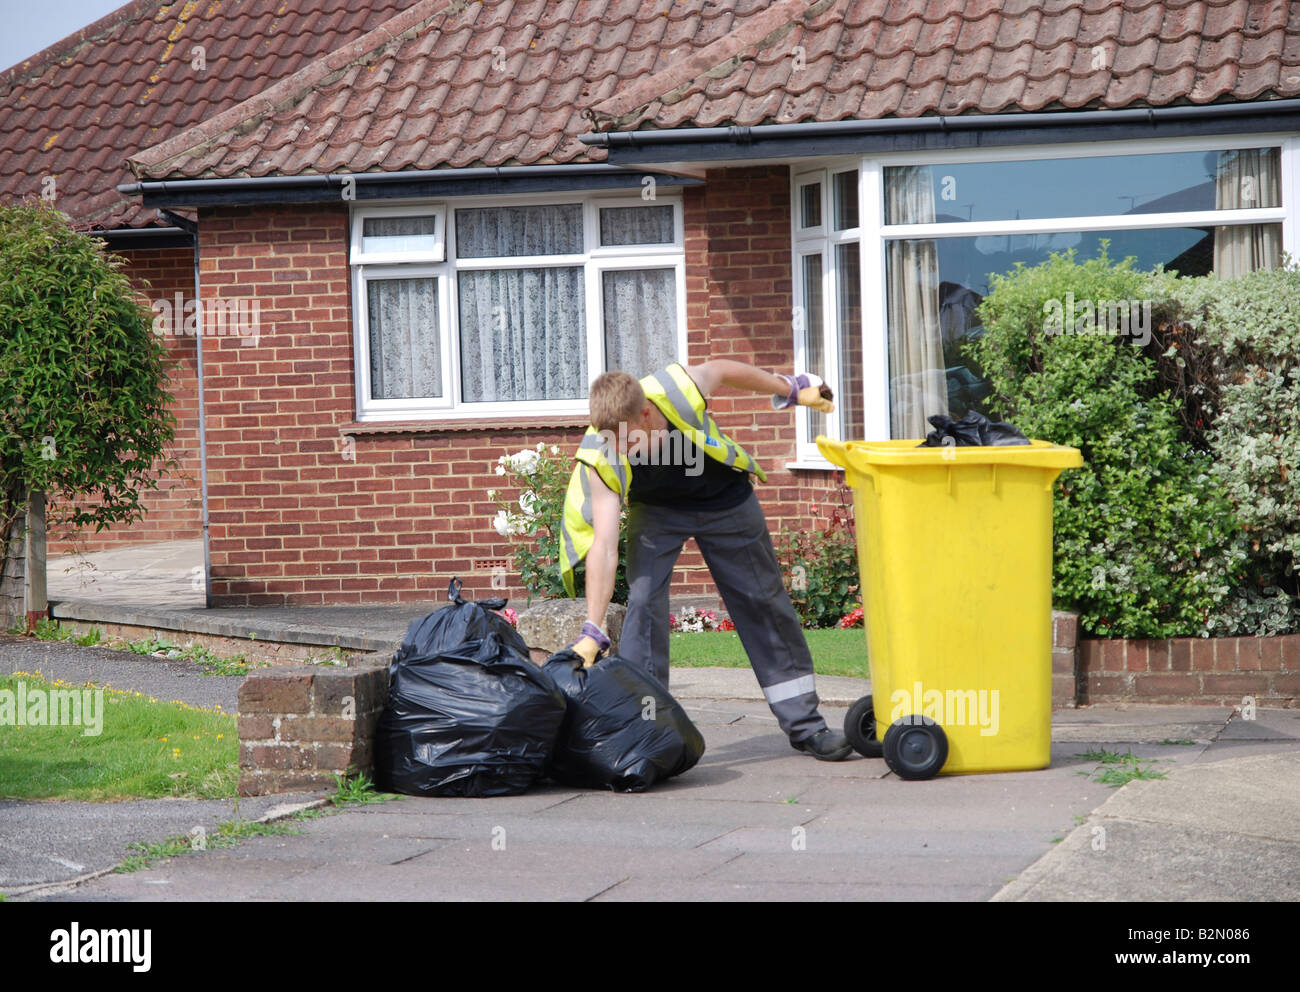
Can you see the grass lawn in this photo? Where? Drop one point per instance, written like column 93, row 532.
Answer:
column 145, row 749
column 834, row 651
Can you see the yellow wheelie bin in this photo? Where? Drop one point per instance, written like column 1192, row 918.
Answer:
column 955, row 557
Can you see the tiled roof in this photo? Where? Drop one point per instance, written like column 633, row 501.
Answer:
column 863, row 60
column 514, row 82
column 76, row 110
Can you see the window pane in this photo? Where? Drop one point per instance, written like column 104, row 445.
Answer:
column 522, row 334
column 813, row 328
column 502, row 232
column 848, row 391
column 846, row 200
column 810, row 205
column 636, row 225
column 405, row 350
column 935, row 285
column 413, row 234
column 640, row 308
column 1088, row 187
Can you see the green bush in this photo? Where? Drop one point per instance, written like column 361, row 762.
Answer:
column 1146, row 543
column 1252, row 324
column 820, row 568
column 83, row 388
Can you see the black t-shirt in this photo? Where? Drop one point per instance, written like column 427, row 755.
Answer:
column 687, row 478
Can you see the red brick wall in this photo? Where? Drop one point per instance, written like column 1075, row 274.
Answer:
column 294, row 521
column 1220, row 670
column 173, row 511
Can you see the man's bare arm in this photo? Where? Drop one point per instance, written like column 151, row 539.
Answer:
column 602, row 559
column 726, row 372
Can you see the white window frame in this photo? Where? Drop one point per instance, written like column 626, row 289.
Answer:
column 875, row 234
column 593, row 259
column 438, row 253
column 820, row 240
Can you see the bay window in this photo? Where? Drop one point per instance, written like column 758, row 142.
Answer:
column 921, row 235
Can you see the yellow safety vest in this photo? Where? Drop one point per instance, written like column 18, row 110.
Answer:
column 682, row 404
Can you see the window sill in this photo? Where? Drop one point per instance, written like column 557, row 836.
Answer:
column 436, row 426
column 823, row 466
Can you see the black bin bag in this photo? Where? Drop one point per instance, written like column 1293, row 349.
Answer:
column 623, row 730
column 468, row 713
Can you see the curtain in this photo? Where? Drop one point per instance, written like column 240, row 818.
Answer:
column 1244, row 180
column 640, row 310
column 405, row 351
column 848, row 391
column 636, row 225
column 502, row 232
column 917, row 378
column 814, row 328
column 522, row 330
column 398, row 233
column 522, row 334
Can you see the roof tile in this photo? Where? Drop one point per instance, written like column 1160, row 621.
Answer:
column 315, row 85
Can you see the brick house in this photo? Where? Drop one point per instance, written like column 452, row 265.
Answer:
column 433, row 227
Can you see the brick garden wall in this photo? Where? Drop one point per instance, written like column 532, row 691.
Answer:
column 173, row 511
column 305, row 509
column 1219, row 670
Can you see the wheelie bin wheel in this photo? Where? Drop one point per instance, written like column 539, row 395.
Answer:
column 860, row 728
column 915, row 747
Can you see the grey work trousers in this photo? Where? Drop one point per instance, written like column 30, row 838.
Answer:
column 738, row 550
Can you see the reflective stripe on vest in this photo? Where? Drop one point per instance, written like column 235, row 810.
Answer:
column 675, row 394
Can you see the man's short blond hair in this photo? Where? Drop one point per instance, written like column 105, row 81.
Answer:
column 615, row 398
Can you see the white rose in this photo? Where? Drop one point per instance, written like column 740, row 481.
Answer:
column 501, row 523
column 555, row 449
column 501, row 470
column 528, row 503
column 492, row 494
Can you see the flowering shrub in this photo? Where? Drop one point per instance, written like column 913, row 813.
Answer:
column 851, row 619
column 532, row 519
column 820, row 567
column 693, row 621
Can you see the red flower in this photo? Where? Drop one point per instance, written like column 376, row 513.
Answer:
column 726, row 624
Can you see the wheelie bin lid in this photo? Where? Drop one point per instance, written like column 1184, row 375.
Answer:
column 860, row 454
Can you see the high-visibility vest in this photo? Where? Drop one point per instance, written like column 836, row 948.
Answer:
column 682, row 404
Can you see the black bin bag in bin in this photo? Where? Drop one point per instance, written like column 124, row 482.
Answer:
column 468, row 713
column 623, row 730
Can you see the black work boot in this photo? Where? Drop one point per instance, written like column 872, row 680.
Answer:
column 825, row 745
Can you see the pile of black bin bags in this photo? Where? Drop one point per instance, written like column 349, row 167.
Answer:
column 469, row 714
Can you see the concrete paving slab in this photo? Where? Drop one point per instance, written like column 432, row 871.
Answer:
column 1144, row 862
column 1209, row 831
column 44, row 842
column 1268, row 725
column 1227, row 750
column 1263, row 791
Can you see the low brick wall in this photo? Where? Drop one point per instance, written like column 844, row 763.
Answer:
column 1065, row 642
column 1220, row 670
column 301, row 725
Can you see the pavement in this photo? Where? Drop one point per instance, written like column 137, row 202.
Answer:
column 753, row 821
